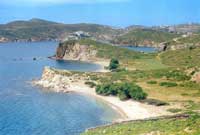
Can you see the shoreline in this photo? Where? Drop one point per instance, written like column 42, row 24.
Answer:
column 118, row 110
column 102, row 63
column 129, row 110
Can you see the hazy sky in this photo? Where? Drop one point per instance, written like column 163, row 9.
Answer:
column 110, row 12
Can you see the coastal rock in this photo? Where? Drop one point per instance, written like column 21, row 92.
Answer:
column 72, row 50
column 58, row 81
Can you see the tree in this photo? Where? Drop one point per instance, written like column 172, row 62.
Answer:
column 122, row 90
column 114, row 64
column 136, row 92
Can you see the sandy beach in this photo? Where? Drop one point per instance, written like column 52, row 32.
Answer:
column 129, row 110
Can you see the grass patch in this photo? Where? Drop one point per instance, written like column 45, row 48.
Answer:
column 184, row 58
column 190, row 85
column 151, row 82
column 174, row 126
column 155, row 102
column 174, row 110
column 168, row 84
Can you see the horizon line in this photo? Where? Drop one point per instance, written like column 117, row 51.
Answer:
column 61, row 22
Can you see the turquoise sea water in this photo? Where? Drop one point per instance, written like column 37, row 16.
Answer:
column 27, row 110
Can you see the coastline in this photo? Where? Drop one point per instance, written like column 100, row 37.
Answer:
column 129, row 110
column 101, row 62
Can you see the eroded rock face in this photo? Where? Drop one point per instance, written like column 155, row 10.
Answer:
column 74, row 51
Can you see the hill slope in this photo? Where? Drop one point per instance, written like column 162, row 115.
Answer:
column 144, row 37
column 37, row 29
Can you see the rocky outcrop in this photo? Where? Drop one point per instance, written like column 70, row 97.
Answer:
column 52, row 81
column 73, row 50
column 60, row 80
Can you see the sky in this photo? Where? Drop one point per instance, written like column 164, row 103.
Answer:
column 119, row 13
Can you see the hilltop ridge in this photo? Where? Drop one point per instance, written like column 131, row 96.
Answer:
column 135, row 35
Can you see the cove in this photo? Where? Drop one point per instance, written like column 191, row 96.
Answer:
column 25, row 109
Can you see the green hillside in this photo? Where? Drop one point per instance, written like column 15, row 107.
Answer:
column 188, row 57
column 42, row 29
column 145, row 37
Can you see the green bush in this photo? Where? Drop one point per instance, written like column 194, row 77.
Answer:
column 103, row 89
column 190, row 85
column 152, row 82
column 175, row 75
column 168, row 84
column 174, row 110
column 114, row 64
column 123, row 95
column 123, row 90
column 136, row 92
column 155, row 102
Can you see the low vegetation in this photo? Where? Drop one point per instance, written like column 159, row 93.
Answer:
column 184, row 58
column 174, row 110
column 155, row 102
column 168, row 84
column 123, row 90
column 152, row 82
column 167, row 126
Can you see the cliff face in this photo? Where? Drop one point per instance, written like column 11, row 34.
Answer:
column 72, row 50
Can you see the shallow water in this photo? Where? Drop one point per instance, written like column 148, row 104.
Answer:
column 27, row 110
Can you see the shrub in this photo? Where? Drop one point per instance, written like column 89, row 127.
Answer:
column 191, row 85
column 174, row 110
column 114, row 64
column 152, row 82
column 103, row 89
column 172, row 75
column 177, row 75
column 123, row 90
column 136, row 92
column 192, row 47
column 123, row 95
column 168, row 84
column 155, row 102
